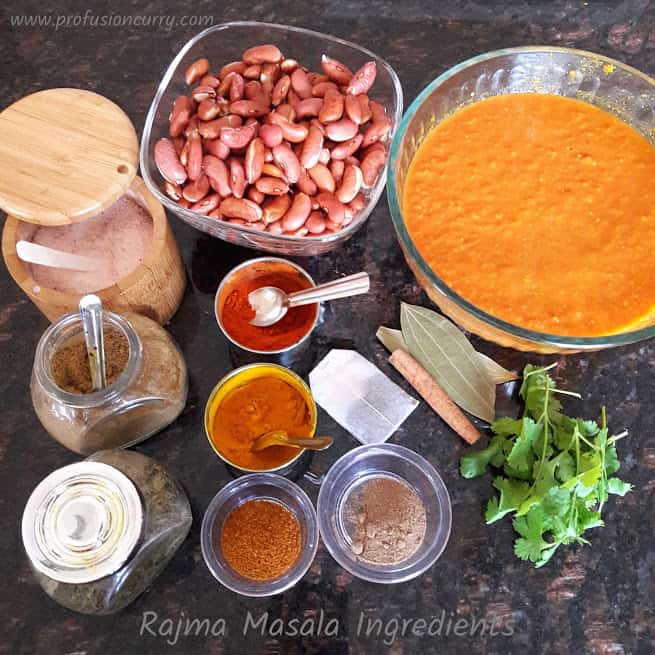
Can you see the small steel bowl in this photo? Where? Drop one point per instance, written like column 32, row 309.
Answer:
column 242, row 354
column 289, row 376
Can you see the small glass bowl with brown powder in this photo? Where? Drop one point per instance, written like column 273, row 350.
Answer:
column 384, row 513
column 259, row 534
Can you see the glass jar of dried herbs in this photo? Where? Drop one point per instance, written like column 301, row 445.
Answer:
column 98, row 532
column 146, row 390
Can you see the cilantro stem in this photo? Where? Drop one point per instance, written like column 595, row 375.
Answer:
column 616, row 437
column 567, row 393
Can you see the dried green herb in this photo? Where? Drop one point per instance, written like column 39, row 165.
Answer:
column 448, row 356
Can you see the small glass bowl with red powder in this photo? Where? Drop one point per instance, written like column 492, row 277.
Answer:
column 234, row 313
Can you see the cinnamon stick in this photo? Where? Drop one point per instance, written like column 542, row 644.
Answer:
column 434, row 395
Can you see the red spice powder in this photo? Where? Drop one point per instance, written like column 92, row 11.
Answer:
column 236, row 313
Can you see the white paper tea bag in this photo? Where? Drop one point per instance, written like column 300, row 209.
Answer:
column 356, row 394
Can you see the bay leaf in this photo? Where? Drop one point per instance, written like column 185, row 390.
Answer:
column 495, row 371
column 443, row 350
column 391, row 339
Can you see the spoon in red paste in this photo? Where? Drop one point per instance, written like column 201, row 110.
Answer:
column 270, row 304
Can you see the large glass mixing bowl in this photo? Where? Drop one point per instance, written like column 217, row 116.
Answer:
column 619, row 89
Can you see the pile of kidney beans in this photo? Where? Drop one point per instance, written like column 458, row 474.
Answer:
column 267, row 144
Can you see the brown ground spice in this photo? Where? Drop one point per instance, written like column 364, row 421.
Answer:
column 260, row 539
column 70, row 364
column 387, row 521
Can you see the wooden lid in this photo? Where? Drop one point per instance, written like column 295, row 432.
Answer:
column 65, row 155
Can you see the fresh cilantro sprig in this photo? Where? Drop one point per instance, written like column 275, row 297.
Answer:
column 556, row 472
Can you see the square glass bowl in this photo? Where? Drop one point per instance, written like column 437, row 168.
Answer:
column 620, row 90
column 225, row 43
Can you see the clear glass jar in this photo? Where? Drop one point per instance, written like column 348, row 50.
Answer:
column 147, row 396
column 98, row 532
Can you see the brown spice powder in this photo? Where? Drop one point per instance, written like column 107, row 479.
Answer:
column 70, row 364
column 386, row 521
column 260, row 539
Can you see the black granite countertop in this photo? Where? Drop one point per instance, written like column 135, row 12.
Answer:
column 598, row 600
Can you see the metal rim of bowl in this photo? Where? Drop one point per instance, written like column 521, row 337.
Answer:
column 557, row 341
column 274, row 480
column 246, row 264
column 375, row 192
column 236, row 372
column 426, row 469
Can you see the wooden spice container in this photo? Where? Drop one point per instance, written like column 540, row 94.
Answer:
column 67, row 155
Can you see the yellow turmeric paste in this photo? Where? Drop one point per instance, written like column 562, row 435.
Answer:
column 253, row 408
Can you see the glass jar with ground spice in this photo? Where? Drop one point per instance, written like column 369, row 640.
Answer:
column 97, row 533
column 146, row 390
column 259, row 534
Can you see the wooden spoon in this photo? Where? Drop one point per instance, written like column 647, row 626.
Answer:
column 280, row 438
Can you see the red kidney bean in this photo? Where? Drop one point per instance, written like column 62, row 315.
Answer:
column 262, row 54
column 286, row 159
column 271, row 135
column 215, row 213
column 346, row 148
column 249, row 108
column 322, row 177
column 335, row 70
column 351, row 183
column 335, row 209
column 201, row 93
column 332, row 109
column 275, row 228
column 197, row 190
column 319, row 90
column 196, row 70
column 218, row 175
column 212, row 129
column 168, row 162
column 194, row 161
column 336, row 168
column 217, row 148
column 255, row 196
column 315, row 223
column 312, row 146
column 252, row 72
column 376, row 131
column 272, row 186
column 209, row 80
column 306, row 184
column 342, row 130
column 292, row 132
column 308, row 107
column 280, row 90
column 288, row 65
column 237, row 87
column 363, row 79
column 180, row 115
column 297, row 214
column 232, row 67
column 275, row 208
column 206, row 205
column 285, row 110
column 371, row 165
column 273, row 171
column 241, row 208
column 237, row 137
column 237, row 177
column 208, row 109
column 254, row 160
column 324, row 157
column 270, row 75
column 173, row 190
column 301, row 84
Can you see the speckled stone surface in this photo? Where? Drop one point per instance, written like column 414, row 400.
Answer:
column 597, row 600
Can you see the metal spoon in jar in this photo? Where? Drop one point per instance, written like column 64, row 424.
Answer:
column 91, row 315
column 280, row 438
column 271, row 304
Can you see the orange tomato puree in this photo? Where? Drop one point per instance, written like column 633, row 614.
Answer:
column 539, row 210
